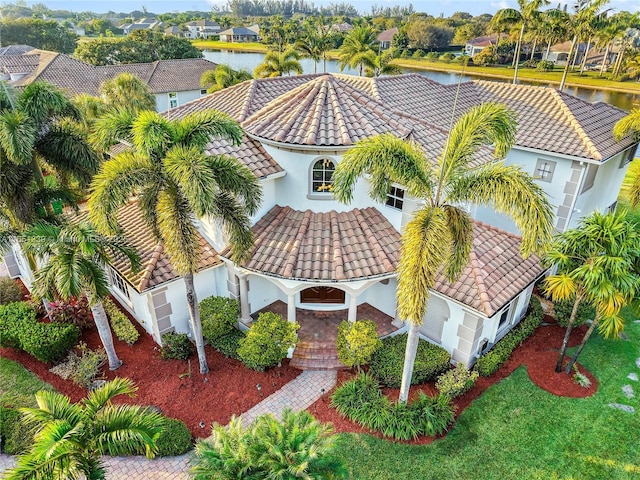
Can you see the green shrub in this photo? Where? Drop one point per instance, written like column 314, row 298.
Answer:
column 544, row 66
column 14, row 318
column 456, row 381
column 563, row 312
column 447, row 57
column 175, row 438
column 486, row 57
column 88, row 365
column 432, row 56
column 357, row 342
column 176, row 346
column 228, row 344
column 122, row 326
column 418, row 54
column 10, row 291
column 267, row 341
column 386, row 364
column 15, row 437
column 49, row 342
column 218, row 316
column 432, row 415
column 75, row 312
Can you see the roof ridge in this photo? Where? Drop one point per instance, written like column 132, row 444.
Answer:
column 297, row 243
column 496, row 229
column 153, row 70
column 155, row 256
column 248, row 99
column 337, row 245
column 382, row 256
column 339, row 116
column 483, row 292
column 576, row 124
column 48, row 64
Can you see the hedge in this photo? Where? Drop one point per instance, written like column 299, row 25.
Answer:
column 122, row 326
column 15, row 438
column 175, row 438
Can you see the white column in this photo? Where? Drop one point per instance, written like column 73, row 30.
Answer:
column 291, row 307
column 353, row 307
column 245, row 312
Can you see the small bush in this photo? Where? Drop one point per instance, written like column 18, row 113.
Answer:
column 218, row 316
column 268, row 341
column 175, row 438
column 418, row 54
column 15, row 437
column 432, row 56
column 75, row 312
column 432, row 415
column 10, row 291
column 387, row 363
column 447, row 57
column 582, row 380
column 14, row 318
column 357, row 342
column 122, row 326
column 228, row 344
column 49, row 342
column 456, row 382
column 88, row 365
column 176, row 346
column 563, row 312
column 544, row 66
column 486, row 57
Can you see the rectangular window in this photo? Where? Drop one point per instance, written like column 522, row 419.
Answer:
column 544, row 170
column 589, row 177
column 628, row 156
column 173, row 100
column 395, row 198
column 612, row 208
column 119, row 283
column 203, row 91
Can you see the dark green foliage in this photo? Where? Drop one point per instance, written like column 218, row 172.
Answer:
column 228, row 344
column 563, row 312
column 218, row 316
column 176, row 346
column 175, row 438
column 43, row 34
column 268, row 341
column 456, row 381
column 501, row 351
column 386, row 364
column 15, row 437
column 362, row 401
column 10, row 291
column 544, row 66
column 13, row 319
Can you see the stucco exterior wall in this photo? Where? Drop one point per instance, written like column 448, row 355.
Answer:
column 162, row 99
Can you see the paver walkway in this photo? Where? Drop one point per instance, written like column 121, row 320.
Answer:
column 297, row 395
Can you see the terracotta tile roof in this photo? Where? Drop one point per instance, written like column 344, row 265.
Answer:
column 156, row 265
column 324, row 111
column 487, row 40
column 387, row 35
column 496, row 271
column 15, row 49
column 250, row 153
column 333, row 246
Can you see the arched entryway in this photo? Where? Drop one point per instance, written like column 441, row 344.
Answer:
column 322, row 295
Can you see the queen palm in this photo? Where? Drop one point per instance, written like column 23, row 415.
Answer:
column 357, row 48
column 177, row 183
column 222, row 77
column 439, row 236
column 127, row 90
column 71, row 437
column 630, row 125
column 277, row 64
column 376, row 65
column 74, row 258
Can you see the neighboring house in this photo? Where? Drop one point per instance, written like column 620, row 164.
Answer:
column 386, row 38
column 142, row 24
column 559, row 53
column 173, row 82
column 476, row 45
column 176, row 31
column 238, row 34
column 201, row 29
column 342, row 27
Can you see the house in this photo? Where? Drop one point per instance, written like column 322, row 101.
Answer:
column 476, row 45
column 173, row 82
column 385, row 38
column 176, row 31
column 342, row 27
column 238, row 34
column 142, row 24
column 559, row 53
column 315, row 258
column 201, row 29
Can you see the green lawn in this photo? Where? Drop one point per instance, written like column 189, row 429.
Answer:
column 18, row 385
column 516, row 430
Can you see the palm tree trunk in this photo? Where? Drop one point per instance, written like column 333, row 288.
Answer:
column 104, row 331
column 409, row 360
column 584, row 59
column 517, row 59
column 605, row 59
column 324, row 62
column 567, row 334
column 576, row 52
column 572, row 362
column 546, row 55
column 618, row 62
column 533, row 48
column 566, row 67
column 194, row 321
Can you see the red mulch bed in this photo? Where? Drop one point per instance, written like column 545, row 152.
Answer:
column 538, row 353
column 229, row 387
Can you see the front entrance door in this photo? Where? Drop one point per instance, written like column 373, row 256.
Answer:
column 322, row 295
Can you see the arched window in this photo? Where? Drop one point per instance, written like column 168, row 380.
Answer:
column 322, row 176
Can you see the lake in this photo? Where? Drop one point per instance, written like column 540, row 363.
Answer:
column 249, row 61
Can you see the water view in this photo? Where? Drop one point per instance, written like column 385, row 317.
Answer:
column 249, row 61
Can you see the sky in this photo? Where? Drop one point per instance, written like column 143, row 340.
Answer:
column 432, row 7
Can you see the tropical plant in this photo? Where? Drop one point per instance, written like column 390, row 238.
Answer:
column 596, row 263
column 176, row 346
column 317, row 39
column 176, row 182
column 268, row 341
column 456, row 381
column 357, row 48
column 219, row 315
column 71, row 437
column 376, row 65
column 222, row 77
column 74, row 260
column 440, row 233
column 357, row 342
column 630, row 124
column 276, row 64
column 126, row 89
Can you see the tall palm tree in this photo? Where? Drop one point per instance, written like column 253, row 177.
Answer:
column 71, row 437
column 595, row 264
column 357, row 47
column 177, row 183
column 277, row 64
column 526, row 17
column 74, row 258
column 630, row 124
column 127, row 89
column 440, row 233
column 376, row 65
column 222, row 77
column 612, row 27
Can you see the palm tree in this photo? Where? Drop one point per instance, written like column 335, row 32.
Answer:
column 357, row 47
column 440, row 234
column 74, row 258
column 277, row 64
column 71, row 437
column 630, row 124
column 526, row 16
column 594, row 265
column 377, row 65
column 127, row 89
column 222, row 77
column 177, row 183
column 611, row 29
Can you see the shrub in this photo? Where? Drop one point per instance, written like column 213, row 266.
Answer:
column 447, row 57
column 49, row 342
column 87, row 367
column 563, row 312
column 14, row 318
column 432, row 56
column 418, row 54
column 15, row 437
column 432, row 415
column 176, row 346
column 544, row 66
column 122, row 326
column 218, row 316
column 268, row 341
column 228, row 344
column 456, row 381
column 405, row 54
column 386, row 364
column 75, row 312
column 10, row 291
column 175, row 438
column 357, row 342
column 486, row 57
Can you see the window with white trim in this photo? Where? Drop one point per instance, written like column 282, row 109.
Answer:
column 119, row 283
column 173, row 99
column 322, row 176
column 504, row 317
column 395, row 198
column 589, row 177
column 544, row 170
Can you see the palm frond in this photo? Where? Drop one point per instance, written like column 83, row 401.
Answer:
column 52, row 406
column 18, row 135
column 228, row 210
column 560, row 287
column 100, row 397
column 42, row 101
column 111, row 127
column 199, row 128
column 233, row 177
column 152, row 134
column 461, row 228
column 628, row 124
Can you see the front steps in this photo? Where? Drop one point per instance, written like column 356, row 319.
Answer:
column 316, row 356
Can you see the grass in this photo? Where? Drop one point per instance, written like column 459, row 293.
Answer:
column 240, row 46
column 18, row 385
column 517, row 430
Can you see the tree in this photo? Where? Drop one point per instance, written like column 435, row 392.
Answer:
column 71, row 437
column 277, row 64
column 625, row 126
column 177, row 183
column 356, row 48
column 126, row 90
column 376, row 65
column 526, row 16
column 440, row 233
column 597, row 264
column 38, row 33
column 222, row 77
column 74, row 260
column 426, row 35
column 357, row 342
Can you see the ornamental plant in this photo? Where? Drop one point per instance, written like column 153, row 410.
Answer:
column 120, row 323
column 357, row 342
column 456, row 382
column 268, row 341
column 176, row 346
column 75, row 311
column 218, row 316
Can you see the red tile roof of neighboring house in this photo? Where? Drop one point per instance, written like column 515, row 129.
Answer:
column 387, row 35
column 487, row 40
